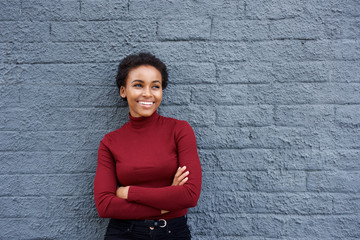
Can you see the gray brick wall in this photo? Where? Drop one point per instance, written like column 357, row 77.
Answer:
column 272, row 89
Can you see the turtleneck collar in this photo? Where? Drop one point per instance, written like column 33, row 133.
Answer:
column 142, row 122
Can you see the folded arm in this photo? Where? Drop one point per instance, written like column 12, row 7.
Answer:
column 175, row 197
column 105, row 185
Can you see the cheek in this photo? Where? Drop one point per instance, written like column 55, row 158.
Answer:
column 159, row 96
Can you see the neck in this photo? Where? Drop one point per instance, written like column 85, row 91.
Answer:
column 141, row 122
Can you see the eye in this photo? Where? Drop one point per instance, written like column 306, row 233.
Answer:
column 156, row 86
column 137, row 85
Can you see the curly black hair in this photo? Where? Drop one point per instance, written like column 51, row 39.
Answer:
column 135, row 60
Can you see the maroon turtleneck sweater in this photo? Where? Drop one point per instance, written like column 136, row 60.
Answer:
column 145, row 154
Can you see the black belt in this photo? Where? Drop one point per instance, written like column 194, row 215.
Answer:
column 150, row 223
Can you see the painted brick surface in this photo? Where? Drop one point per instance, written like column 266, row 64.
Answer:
column 271, row 88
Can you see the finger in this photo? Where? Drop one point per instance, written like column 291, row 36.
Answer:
column 182, row 177
column 178, row 176
column 179, row 171
column 183, row 181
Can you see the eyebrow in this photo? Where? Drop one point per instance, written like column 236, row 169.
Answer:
column 137, row 80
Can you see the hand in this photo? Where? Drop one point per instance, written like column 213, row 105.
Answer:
column 180, row 177
column 122, row 192
column 164, row 211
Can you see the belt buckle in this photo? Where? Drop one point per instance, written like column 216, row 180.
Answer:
column 157, row 224
column 164, row 223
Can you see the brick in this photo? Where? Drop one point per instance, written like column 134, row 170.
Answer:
column 68, row 74
column 209, row 160
column 54, row 53
column 220, row 95
column 345, row 203
column 334, row 181
column 304, row 93
column 205, row 204
column 186, row 9
column 278, row 9
column 104, row 10
column 84, row 227
column 330, row 227
column 290, row 138
column 225, row 137
column 15, row 207
column 276, row 50
column 196, row 29
column 282, row 203
column 347, row 159
column 287, row 50
column 9, row 95
column 48, row 162
column 176, row 95
column 49, row 184
column 172, row 51
column 10, row 74
column 348, row 115
column 304, row 159
column 244, row 116
column 268, row 225
column 47, row 118
column 24, row 31
column 51, row 140
column 103, row 31
column 242, row 225
column 278, row 181
column 71, row 96
column 37, row 228
column 332, row 8
column 304, row 115
column 10, row 10
column 72, row 207
column 192, row 73
column 245, row 159
column 345, row 71
column 227, row 51
column 63, row 10
column 301, row 72
column 342, row 28
column 243, row 30
column 225, row 181
column 196, row 116
column 246, row 72
column 297, row 28
column 346, row 137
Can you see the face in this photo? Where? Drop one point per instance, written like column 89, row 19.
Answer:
column 143, row 90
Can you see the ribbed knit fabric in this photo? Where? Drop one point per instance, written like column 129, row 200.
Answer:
column 145, row 154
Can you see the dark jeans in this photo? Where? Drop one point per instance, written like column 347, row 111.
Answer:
column 176, row 228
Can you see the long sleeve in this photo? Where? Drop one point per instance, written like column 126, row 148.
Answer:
column 105, row 184
column 175, row 197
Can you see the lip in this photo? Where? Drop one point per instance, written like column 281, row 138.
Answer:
column 146, row 104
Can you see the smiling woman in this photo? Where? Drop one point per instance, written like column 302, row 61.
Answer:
column 143, row 90
column 148, row 171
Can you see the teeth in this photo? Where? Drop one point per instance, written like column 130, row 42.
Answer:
column 146, row 103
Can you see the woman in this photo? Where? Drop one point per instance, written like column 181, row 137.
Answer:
column 148, row 171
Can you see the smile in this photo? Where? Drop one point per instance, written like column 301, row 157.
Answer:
column 146, row 103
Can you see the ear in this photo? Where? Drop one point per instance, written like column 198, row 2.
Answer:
column 122, row 92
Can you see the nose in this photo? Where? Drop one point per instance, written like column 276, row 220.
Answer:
column 146, row 92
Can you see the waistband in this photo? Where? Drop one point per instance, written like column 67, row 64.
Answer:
column 150, row 223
